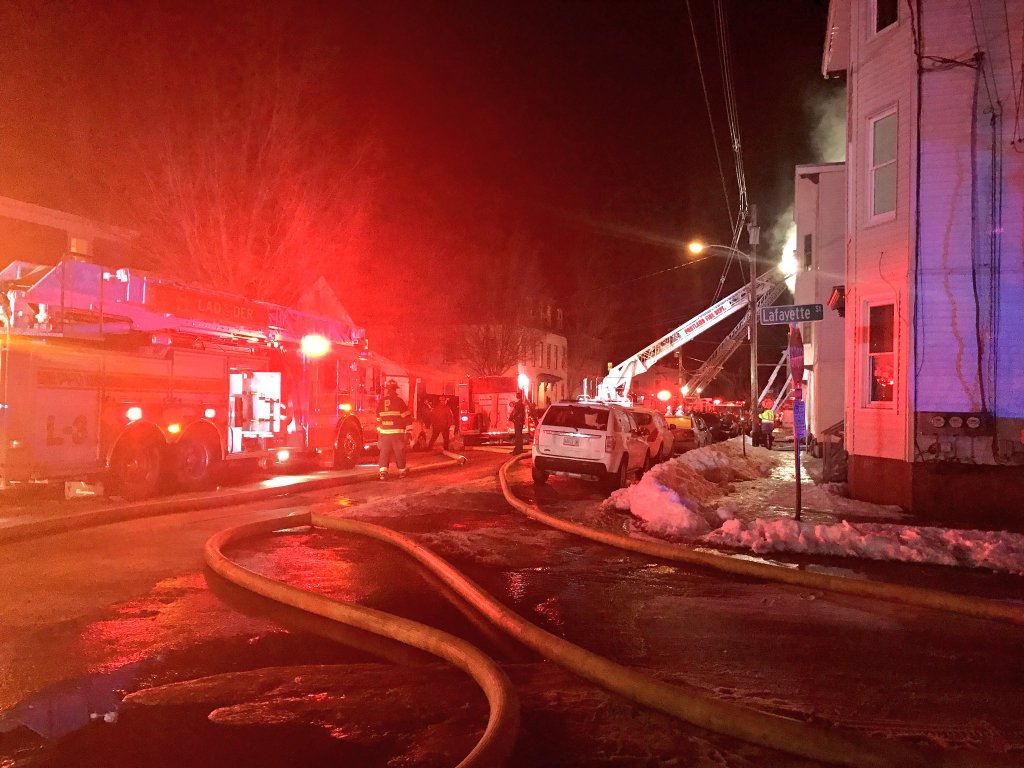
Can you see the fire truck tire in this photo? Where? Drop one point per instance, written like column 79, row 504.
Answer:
column 135, row 468
column 194, row 459
column 349, row 447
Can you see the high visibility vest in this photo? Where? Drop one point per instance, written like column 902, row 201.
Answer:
column 767, row 416
column 392, row 415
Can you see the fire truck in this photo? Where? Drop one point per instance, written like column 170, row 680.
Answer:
column 485, row 403
column 151, row 384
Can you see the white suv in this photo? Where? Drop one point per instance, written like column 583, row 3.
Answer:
column 659, row 436
column 589, row 440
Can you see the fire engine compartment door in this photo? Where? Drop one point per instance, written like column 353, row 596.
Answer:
column 55, row 407
column 254, row 415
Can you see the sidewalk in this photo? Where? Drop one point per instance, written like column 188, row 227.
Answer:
column 745, row 505
column 1012, row 520
column 40, row 510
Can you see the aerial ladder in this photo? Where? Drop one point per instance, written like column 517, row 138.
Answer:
column 615, row 386
column 711, row 367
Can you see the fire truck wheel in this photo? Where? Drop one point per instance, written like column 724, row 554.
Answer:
column 348, row 449
column 135, row 468
column 539, row 476
column 193, row 463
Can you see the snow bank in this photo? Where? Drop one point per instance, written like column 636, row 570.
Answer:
column 997, row 551
column 681, row 497
column 688, row 498
column 725, row 461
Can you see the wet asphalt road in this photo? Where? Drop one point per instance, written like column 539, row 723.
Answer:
column 91, row 615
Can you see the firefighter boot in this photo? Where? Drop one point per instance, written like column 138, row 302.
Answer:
column 402, row 473
column 382, row 474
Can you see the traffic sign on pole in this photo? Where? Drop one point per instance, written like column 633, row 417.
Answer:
column 796, row 358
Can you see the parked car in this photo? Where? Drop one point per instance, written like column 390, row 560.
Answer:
column 710, row 428
column 596, row 441
column 659, row 436
column 684, row 436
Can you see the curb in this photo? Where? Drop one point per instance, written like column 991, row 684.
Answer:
column 498, row 740
column 977, row 607
column 157, row 507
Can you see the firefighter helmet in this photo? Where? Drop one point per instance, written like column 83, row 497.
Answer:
column 391, row 385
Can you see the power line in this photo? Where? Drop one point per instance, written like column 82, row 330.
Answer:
column 707, row 106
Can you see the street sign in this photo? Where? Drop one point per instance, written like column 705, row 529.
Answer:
column 792, row 313
column 799, row 419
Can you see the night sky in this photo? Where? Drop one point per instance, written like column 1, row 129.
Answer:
column 576, row 131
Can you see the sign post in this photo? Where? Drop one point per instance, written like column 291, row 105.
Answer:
column 796, row 370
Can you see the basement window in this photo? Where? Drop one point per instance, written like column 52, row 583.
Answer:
column 881, row 357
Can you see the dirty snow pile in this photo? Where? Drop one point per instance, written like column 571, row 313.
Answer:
column 683, row 498
column 997, row 551
column 687, row 498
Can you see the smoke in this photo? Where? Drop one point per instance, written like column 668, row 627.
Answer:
column 828, row 134
column 828, row 144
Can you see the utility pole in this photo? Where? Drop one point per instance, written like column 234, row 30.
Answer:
column 754, row 235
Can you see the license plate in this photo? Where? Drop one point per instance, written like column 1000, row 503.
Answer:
column 570, row 441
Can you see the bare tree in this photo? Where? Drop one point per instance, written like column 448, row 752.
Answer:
column 503, row 292
column 245, row 184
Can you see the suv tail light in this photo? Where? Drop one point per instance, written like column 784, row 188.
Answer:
column 536, row 435
column 609, row 444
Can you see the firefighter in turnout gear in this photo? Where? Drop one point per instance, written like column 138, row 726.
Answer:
column 392, row 419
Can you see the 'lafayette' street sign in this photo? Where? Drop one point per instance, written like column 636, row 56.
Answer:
column 793, row 313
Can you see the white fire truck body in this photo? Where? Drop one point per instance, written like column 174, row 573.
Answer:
column 152, row 383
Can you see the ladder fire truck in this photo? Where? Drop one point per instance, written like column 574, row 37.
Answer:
column 768, row 287
column 150, row 383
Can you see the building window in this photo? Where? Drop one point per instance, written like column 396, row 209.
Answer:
column 808, row 250
column 887, row 13
column 883, row 165
column 547, row 356
column 881, row 357
column 565, row 362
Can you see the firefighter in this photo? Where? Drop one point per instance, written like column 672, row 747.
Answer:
column 767, row 419
column 392, row 419
column 518, row 419
column 440, row 422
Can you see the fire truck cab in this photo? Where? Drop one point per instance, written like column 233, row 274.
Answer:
column 152, row 384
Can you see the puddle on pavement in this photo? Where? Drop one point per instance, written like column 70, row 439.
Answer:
column 83, row 723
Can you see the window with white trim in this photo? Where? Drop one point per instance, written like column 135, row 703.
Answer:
column 881, row 353
column 883, row 165
column 887, row 13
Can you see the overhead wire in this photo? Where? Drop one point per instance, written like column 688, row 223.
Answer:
column 732, row 116
column 710, row 113
column 1016, row 89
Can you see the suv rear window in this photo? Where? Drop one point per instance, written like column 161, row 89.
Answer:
column 576, row 417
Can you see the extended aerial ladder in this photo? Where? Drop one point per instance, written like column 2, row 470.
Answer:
column 711, row 367
column 767, row 287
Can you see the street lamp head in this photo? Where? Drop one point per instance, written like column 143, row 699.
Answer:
column 695, row 247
